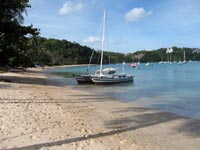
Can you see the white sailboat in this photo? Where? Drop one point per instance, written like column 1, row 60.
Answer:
column 108, row 75
column 184, row 59
column 169, row 57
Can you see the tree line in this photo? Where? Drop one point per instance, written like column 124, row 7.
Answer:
column 21, row 46
column 161, row 54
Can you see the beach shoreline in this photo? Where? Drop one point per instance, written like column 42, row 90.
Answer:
column 38, row 112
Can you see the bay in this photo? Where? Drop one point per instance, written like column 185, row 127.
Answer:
column 168, row 87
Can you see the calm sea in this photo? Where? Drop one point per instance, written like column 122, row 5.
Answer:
column 170, row 87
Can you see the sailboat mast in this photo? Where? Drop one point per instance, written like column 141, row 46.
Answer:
column 103, row 40
column 184, row 58
column 90, row 60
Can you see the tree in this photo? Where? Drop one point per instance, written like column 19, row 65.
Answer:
column 14, row 49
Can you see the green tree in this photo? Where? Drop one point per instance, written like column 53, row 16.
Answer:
column 14, row 50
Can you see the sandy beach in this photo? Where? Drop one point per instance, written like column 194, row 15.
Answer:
column 38, row 112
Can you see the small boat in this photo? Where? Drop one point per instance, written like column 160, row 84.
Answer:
column 87, row 78
column 134, row 65
column 109, row 75
column 84, row 78
column 116, row 78
column 149, row 64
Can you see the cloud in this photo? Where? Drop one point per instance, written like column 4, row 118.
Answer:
column 136, row 14
column 69, row 7
column 91, row 39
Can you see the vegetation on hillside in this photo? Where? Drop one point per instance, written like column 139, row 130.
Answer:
column 161, row 55
column 21, row 46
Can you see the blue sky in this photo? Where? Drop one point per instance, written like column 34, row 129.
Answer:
column 131, row 24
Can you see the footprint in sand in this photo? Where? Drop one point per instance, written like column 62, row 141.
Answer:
column 123, row 141
column 33, row 137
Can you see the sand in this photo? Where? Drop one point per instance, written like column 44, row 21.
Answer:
column 40, row 112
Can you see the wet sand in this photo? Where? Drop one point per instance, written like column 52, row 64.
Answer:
column 37, row 112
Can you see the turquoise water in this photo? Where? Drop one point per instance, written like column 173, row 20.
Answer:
column 168, row 87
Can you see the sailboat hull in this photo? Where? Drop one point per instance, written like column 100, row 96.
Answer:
column 84, row 79
column 111, row 80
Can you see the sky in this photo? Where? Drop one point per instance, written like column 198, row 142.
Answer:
column 131, row 25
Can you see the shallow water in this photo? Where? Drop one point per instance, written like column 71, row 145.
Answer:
column 169, row 87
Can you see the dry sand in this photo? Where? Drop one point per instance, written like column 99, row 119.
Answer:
column 37, row 112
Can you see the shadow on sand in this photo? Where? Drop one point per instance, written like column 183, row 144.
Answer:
column 32, row 80
column 150, row 117
column 129, row 123
column 144, row 122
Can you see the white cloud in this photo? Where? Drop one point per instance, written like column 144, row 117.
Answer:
column 91, row 39
column 136, row 14
column 69, row 7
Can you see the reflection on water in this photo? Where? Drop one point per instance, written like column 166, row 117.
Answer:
column 169, row 87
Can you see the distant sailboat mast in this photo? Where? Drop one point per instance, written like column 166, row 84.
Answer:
column 102, row 41
column 169, row 51
column 184, row 58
